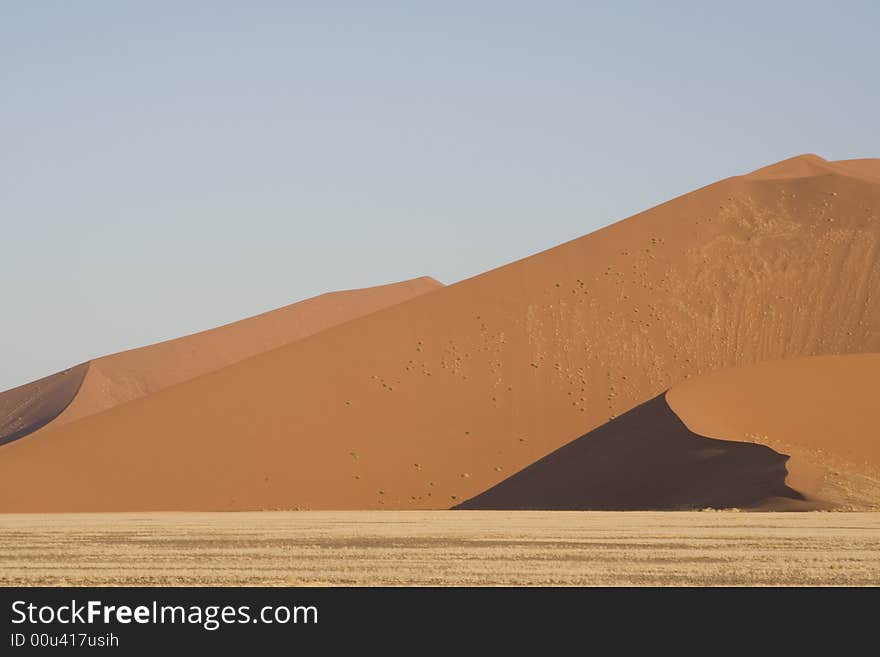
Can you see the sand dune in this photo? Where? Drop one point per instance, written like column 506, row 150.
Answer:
column 792, row 434
column 822, row 411
column 106, row 382
column 646, row 459
column 865, row 168
column 432, row 402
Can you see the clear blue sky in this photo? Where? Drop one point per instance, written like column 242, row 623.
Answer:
column 170, row 166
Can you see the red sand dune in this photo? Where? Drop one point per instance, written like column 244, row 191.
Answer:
column 434, row 401
column 792, row 434
column 112, row 380
column 823, row 412
column 868, row 168
column 646, row 459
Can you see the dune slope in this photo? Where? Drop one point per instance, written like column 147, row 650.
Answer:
column 821, row 411
column 432, row 402
column 106, row 382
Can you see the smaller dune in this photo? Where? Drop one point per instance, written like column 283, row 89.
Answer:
column 109, row 381
column 784, row 435
column 822, row 411
column 646, row 459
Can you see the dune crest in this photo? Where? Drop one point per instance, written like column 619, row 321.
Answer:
column 810, row 165
column 821, row 411
column 646, row 459
column 783, row 435
column 27, row 408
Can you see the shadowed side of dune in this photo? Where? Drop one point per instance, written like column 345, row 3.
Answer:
column 26, row 408
column 644, row 459
column 822, row 411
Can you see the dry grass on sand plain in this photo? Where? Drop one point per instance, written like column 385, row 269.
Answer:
column 409, row 548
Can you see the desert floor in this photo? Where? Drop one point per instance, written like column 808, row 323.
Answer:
column 441, row 548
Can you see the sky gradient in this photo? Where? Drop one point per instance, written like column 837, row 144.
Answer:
column 167, row 167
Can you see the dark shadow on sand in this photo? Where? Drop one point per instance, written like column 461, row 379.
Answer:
column 32, row 406
column 646, row 459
